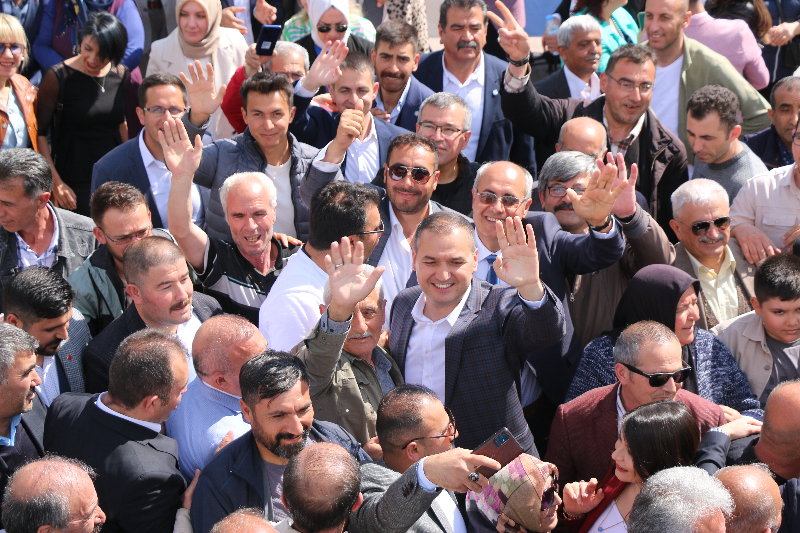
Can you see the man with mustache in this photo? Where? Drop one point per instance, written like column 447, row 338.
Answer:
column 162, row 297
column 249, row 471
column 39, row 301
column 774, row 144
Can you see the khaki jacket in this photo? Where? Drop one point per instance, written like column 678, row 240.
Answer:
column 27, row 98
column 344, row 389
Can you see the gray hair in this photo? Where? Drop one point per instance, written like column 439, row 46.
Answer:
column 697, row 192
column 240, row 177
column 586, row 23
column 13, row 340
column 444, row 101
column 675, row 500
column 754, row 509
column 283, row 49
column 563, row 166
column 528, row 178
column 630, row 343
column 603, row 147
column 366, row 270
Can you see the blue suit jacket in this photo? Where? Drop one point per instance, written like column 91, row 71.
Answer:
column 499, row 140
column 417, row 93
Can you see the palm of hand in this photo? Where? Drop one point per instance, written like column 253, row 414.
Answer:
column 595, row 203
column 516, row 265
column 182, row 157
column 348, row 285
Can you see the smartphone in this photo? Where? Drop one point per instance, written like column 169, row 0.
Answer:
column 502, row 447
column 267, row 38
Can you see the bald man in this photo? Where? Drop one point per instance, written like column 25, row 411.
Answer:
column 249, row 520
column 52, row 494
column 210, row 407
column 756, row 499
column 583, row 134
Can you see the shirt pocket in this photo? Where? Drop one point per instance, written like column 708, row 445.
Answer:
column 779, row 219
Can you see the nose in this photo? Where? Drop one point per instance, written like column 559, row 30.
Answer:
column 358, row 324
column 635, row 94
column 99, row 516
column 670, row 386
column 35, row 378
column 437, row 135
column 295, row 426
column 63, row 332
column 694, row 312
column 712, row 232
column 7, row 51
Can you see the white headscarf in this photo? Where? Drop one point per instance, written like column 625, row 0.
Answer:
column 316, row 8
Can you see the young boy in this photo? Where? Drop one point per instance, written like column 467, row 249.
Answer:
column 766, row 341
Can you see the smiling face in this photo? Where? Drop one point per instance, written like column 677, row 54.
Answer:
column 562, row 207
column 653, row 359
column 664, row 22
column 394, row 65
column 686, row 315
column 407, row 195
column 9, row 63
column 193, row 22
column 623, row 463
column 90, row 56
column 501, row 179
column 711, row 245
column 365, row 326
column 465, row 34
column 582, row 57
column 710, row 139
column 268, row 116
column 250, row 216
column 781, row 319
column 627, row 107
column 17, row 395
column 354, row 85
column 164, row 297
column 452, row 116
column 330, row 19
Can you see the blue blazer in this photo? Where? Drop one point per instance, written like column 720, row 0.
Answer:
column 499, row 140
column 417, row 93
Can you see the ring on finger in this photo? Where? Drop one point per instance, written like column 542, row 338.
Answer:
column 473, row 476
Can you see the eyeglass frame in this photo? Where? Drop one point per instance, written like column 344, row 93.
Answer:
column 166, row 110
column 446, row 435
column 7, row 46
column 633, row 85
column 337, row 27
column 552, row 489
column 696, row 229
column 409, row 170
column 436, row 127
column 660, row 375
column 130, row 236
column 483, row 194
column 381, row 230
column 578, row 190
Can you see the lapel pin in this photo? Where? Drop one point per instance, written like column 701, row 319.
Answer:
column 495, row 92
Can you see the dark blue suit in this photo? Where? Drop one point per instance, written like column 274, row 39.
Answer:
column 499, row 140
column 417, row 93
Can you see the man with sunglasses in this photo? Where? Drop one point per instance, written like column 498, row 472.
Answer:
column 707, row 252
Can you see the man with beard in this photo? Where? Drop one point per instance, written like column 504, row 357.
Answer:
column 163, row 298
column 249, row 471
column 39, row 301
column 396, row 57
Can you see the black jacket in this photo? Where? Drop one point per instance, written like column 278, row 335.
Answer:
column 553, row 86
column 765, row 145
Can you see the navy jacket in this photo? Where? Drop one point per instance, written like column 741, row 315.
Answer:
column 499, row 140
column 765, row 145
column 417, row 93
column 233, row 479
column 554, row 86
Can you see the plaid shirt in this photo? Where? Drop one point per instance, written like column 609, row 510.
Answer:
column 621, row 146
column 27, row 257
column 299, row 26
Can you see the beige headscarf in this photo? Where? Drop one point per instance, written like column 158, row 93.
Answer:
column 208, row 44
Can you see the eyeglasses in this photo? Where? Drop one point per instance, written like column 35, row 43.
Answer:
column 489, row 198
column 628, row 87
column 559, row 191
column 326, row 28
column 16, row 49
column 450, row 433
column 700, row 228
column 661, row 378
column 125, row 239
column 549, row 495
column 795, row 137
column 174, row 111
column 379, row 230
column 399, row 171
column 429, row 128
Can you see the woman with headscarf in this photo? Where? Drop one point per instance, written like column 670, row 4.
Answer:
column 199, row 37
column 668, row 295
column 329, row 22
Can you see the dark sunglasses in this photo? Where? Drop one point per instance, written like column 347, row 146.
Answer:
column 379, row 230
column 549, row 495
column 450, row 433
column 700, row 228
column 419, row 174
column 16, row 49
column 661, row 378
column 325, row 28
column 489, row 198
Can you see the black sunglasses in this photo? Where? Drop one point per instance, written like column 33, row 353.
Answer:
column 325, row 28
column 700, row 228
column 419, row 174
column 449, row 433
column 379, row 230
column 549, row 495
column 661, row 378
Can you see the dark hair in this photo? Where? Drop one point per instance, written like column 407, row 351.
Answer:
column 114, row 195
column 414, row 139
column 269, row 374
column 778, row 277
column 399, row 417
column 792, row 83
column 267, row 83
column 397, row 33
column 37, row 293
column 142, row 367
column 147, row 253
column 158, row 79
column 110, row 34
column 445, row 222
column 758, row 18
column 29, row 165
column 660, row 435
column 339, row 209
column 320, row 486
column 593, row 7
column 359, row 62
column 460, row 4
column 638, row 54
column 713, row 98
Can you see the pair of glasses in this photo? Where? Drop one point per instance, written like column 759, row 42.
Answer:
column 700, row 228
column 16, row 49
column 661, row 378
column 379, row 230
column 549, row 495
column 559, row 191
column 326, row 28
column 141, row 234
column 450, row 433
column 628, row 86
column 489, row 198
column 399, row 171
column 428, row 129
column 159, row 111
column 795, row 137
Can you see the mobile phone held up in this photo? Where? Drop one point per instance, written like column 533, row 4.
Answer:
column 267, row 38
column 502, row 447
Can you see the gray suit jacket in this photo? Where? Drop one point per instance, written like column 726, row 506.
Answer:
column 396, row 503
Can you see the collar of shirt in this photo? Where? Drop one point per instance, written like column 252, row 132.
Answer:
column 220, row 397
column 12, row 433
column 147, row 157
column 399, row 106
column 637, row 129
column 704, row 273
column 620, row 411
column 578, row 87
column 23, row 246
column 483, row 251
column 479, row 74
column 103, row 407
column 359, row 145
column 419, row 307
column 787, row 180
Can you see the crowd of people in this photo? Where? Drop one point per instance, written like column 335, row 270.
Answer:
column 354, row 286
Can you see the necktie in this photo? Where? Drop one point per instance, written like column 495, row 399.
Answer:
column 491, row 277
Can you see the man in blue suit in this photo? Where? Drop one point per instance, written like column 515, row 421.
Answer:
column 396, row 57
column 463, row 69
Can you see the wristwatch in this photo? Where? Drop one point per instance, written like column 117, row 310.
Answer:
column 601, row 228
column 519, row 63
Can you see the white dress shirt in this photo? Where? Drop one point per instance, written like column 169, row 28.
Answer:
column 472, row 91
column 49, row 388
column 27, row 257
column 160, row 184
column 248, row 21
column 185, row 334
column 579, row 88
column 363, row 157
column 399, row 107
column 103, row 407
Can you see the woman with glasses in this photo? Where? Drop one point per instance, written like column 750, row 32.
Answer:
column 82, row 102
column 199, row 37
column 299, row 26
column 329, row 22
column 617, row 26
column 668, row 295
column 17, row 95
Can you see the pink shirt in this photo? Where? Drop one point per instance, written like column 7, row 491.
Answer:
column 734, row 40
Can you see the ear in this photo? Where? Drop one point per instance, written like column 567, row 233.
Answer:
column 561, row 50
column 527, row 208
column 467, row 135
column 14, row 320
column 603, row 82
column 441, row 32
column 771, row 113
column 753, row 301
column 558, row 147
column 359, row 502
column 435, row 179
column 686, row 18
column 622, row 373
column 676, row 227
column 372, row 56
column 134, row 292
column 413, row 256
column 416, row 63
column 42, row 200
column 247, row 414
column 218, row 379
column 413, row 452
column 283, row 500
column 100, row 236
column 541, row 194
column 48, row 529
column 244, row 115
column 291, row 114
column 375, row 90
column 735, row 132
column 322, row 308
column 149, row 403
column 475, row 260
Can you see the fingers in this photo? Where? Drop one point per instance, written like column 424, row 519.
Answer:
column 510, row 21
column 360, row 105
column 634, row 175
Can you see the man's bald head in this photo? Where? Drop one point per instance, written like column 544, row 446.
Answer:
column 777, row 446
column 250, row 520
column 583, row 134
column 756, row 499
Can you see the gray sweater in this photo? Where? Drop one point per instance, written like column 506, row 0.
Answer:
column 733, row 173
